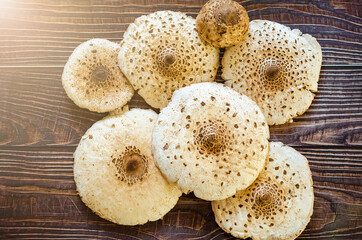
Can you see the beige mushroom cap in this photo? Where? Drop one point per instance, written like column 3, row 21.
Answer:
column 115, row 172
column 278, row 205
column 222, row 23
column 210, row 140
column 92, row 78
column 276, row 67
column 162, row 52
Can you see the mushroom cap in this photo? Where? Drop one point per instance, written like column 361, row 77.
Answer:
column 92, row 78
column 162, row 52
column 210, row 140
column 222, row 23
column 115, row 173
column 278, row 205
column 276, row 67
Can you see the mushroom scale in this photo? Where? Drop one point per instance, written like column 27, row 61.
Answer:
column 276, row 67
column 278, row 205
column 162, row 52
column 222, row 23
column 210, row 140
column 115, row 173
column 92, row 78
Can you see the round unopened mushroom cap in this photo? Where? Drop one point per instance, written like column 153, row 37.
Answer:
column 162, row 52
column 92, row 78
column 278, row 205
column 210, row 140
column 222, row 23
column 276, row 67
column 115, row 172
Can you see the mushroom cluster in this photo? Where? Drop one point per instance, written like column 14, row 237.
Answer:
column 211, row 139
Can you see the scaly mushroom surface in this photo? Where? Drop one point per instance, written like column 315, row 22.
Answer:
column 115, row 173
column 92, row 78
column 211, row 140
column 162, row 52
column 276, row 67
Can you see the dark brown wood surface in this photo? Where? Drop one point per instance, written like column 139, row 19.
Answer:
column 40, row 127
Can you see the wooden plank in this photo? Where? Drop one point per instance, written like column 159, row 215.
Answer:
column 43, row 33
column 38, row 200
column 50, row 118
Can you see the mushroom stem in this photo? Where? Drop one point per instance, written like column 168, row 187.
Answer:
column 228, row 14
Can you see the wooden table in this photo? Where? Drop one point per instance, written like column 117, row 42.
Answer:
column 40, row 127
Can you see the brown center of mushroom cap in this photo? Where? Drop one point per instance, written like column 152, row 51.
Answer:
column 268, row 197
column 131, row 166
column 172, row 55
column 211, row 137
column 228, row 14
column 99, row 74
column 272, row 71
column 169, row 59
column 263, row 197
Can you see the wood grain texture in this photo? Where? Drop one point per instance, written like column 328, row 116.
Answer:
column 40, row 127
column 44, row 33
